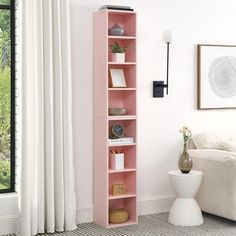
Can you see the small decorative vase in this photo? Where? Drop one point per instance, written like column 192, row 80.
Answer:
column 185, row 162
column 118, row 57
column 116, row 30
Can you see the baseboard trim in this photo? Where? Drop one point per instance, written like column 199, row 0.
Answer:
column 84, row 215
column 7, row 218
column 147, row 205
column 8, row 224
column 156, row 204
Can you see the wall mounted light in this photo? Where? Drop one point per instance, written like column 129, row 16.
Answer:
column 158, row 86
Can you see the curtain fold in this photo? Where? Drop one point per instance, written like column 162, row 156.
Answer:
column 47, row 197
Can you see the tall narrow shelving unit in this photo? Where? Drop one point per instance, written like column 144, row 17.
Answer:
column 106, row 97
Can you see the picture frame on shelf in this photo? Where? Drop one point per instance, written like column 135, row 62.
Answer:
column 216, row 77
column 117, row 78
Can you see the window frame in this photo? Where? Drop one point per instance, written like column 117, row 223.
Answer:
column 11, row 8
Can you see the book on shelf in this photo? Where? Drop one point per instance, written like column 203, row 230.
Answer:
column 125, row 140
column 116, row 7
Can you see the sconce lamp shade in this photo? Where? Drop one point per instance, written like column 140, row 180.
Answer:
column 168, row 36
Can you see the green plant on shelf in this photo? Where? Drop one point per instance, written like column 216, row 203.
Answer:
column 116, row 48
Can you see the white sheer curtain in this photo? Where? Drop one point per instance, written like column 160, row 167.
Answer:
column 47, row 197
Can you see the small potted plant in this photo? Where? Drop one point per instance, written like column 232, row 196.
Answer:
column 118, row 52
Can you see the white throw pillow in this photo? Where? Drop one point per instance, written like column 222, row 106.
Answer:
column 229, row 145
column 206, row 140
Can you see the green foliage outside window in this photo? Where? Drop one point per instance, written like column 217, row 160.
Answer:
column 5, row 2
column 5, row 97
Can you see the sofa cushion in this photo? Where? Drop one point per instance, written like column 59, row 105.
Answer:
column 215, row 140
column 206, row 140
column 229, row 145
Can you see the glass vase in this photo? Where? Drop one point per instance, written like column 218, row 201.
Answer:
column 185, row 162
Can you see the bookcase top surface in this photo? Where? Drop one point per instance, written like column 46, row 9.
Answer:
column 116, row 11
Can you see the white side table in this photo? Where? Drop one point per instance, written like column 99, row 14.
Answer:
column 185, row 210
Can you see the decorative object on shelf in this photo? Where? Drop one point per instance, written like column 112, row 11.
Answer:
column 118, row 52
column 117, row 111
column 216, row 76
column 116, row 160
column 117, row 131
column 116, row 7
column 118, row 189
column 120, row 141
column 158, row 86
column 117, row 78
column 118, row 215
column 185, row 161
column 116, row 30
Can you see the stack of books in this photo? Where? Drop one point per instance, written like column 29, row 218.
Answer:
column 116, row 7
column 125, row 140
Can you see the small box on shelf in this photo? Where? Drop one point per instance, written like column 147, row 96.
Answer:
column 118, row 189
column 117, row 161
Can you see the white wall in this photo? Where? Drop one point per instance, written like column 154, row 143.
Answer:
column 192, row 22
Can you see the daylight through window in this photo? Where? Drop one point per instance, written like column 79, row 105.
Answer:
column 7, row 96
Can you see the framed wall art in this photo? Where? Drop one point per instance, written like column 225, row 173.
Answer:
column 216, row 76
column 117, row 78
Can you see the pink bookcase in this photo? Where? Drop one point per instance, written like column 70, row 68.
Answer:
column 106, row 97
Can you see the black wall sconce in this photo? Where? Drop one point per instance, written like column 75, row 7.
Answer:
column 158, row 86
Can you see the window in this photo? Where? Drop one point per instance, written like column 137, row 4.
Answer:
column 7, row 96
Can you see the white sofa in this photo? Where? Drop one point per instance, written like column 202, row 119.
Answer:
column 215, row 155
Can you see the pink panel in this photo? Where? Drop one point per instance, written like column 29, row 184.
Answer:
column 130, row 206
column 100, row 64
column 130, row 157
column 100, row 120
column 118, row 203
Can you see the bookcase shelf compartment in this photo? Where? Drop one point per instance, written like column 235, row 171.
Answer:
column 130, row 54
column 126, row 21
column 128, row 204
column 123, row 99
column 129, row 126
column 127, row 178
column 129, row 73
column 129, row 156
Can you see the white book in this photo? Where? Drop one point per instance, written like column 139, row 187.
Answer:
column 125, row 140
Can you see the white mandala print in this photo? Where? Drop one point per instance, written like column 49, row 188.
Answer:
column 222, row 76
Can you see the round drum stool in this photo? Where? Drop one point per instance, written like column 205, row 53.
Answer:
column 185, row 210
